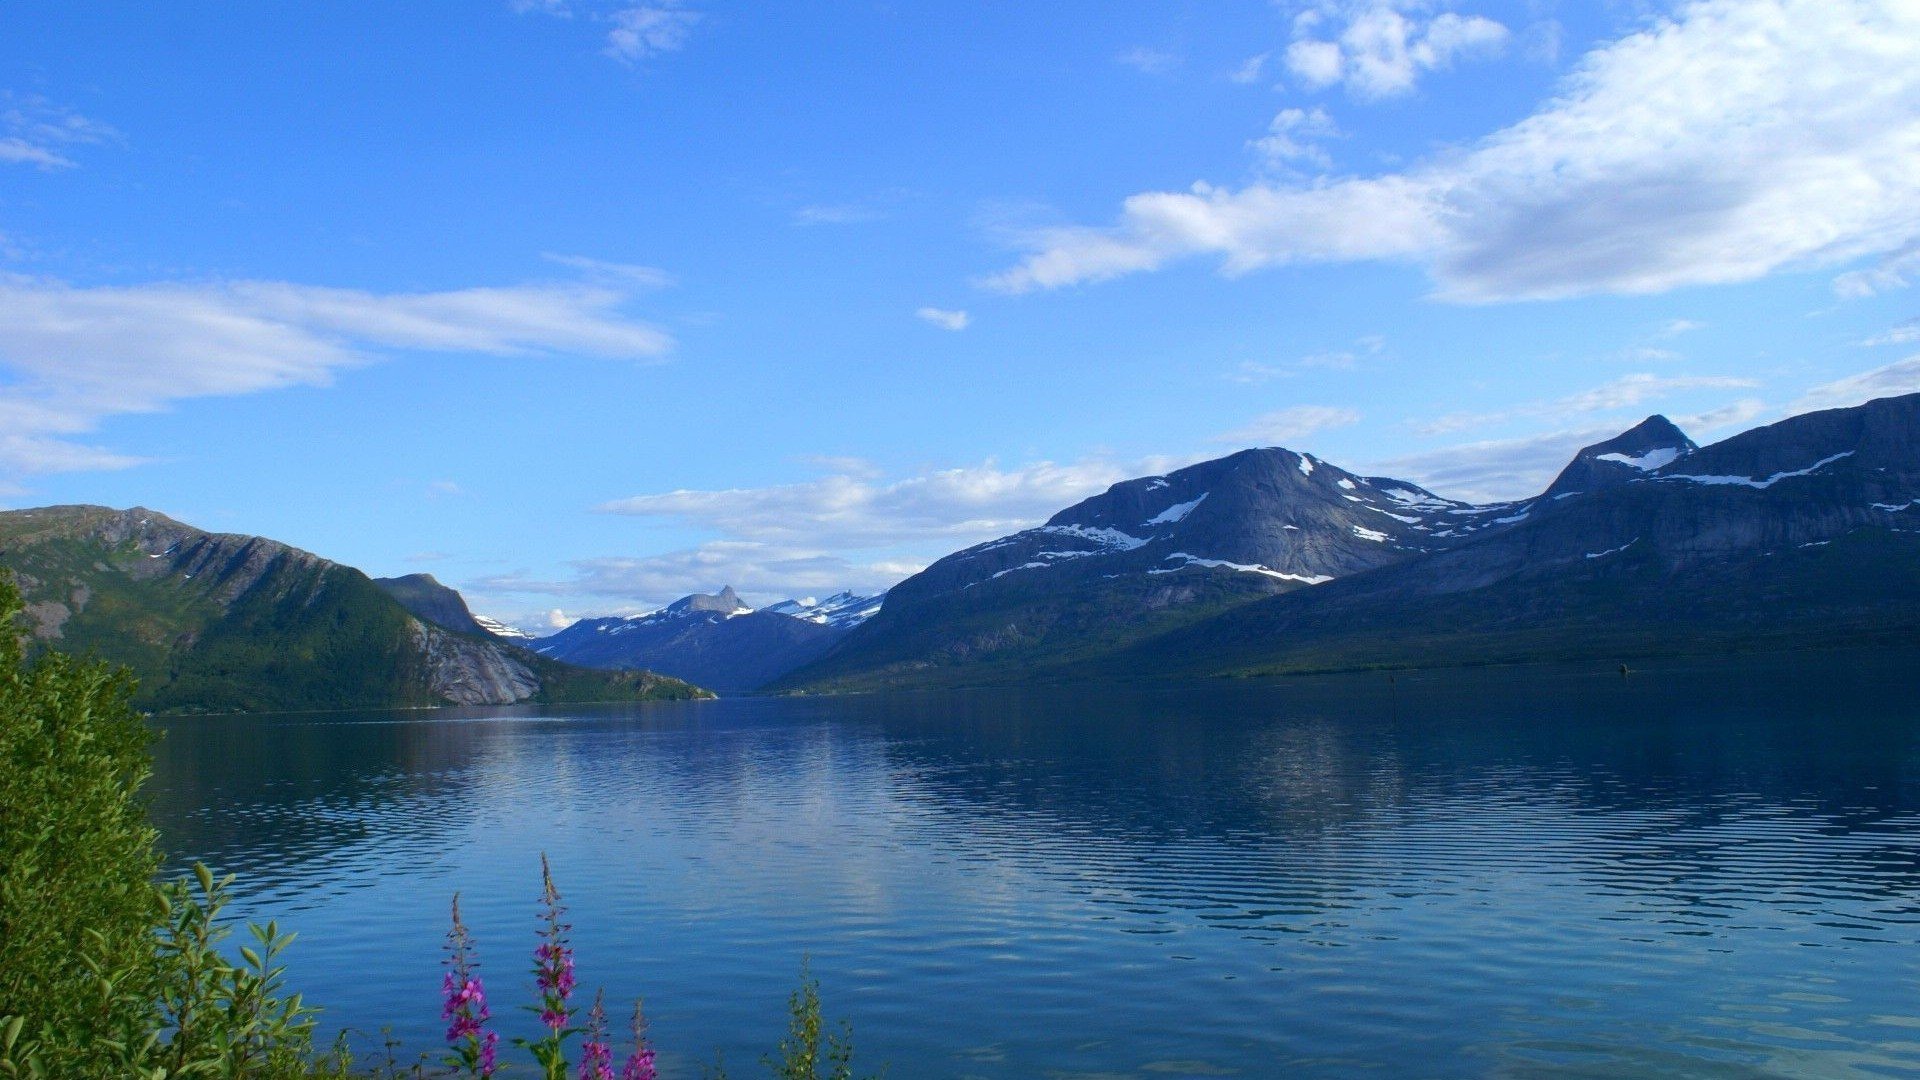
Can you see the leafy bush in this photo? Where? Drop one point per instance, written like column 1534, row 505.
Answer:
column 77, row 860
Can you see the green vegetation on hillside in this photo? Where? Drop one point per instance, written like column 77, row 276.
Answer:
column 216, row 623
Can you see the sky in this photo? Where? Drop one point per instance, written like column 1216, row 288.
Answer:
column 584, row 305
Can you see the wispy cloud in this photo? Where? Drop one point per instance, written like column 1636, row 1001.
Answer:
column 1891, row 380
column 1720, row 144
column 1493, row 470
column 1905, row 333
column 1149, row 61
column 78, row 355
column 1251, row 69
column 943, row 318
column 1289, row 425
column 836, row 214
column 1294, row 136
column 648, row 30
column 635, row 32
column 856, row 510
column 1381, row 48
column 630, row 275
column 1620, row 393
column 1893, row 271
column 34, row 131
column 761, row 572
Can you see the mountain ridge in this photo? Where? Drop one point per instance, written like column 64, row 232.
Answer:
column 226, row 622
column 1647, row 500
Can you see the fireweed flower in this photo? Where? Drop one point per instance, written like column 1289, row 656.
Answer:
column 465, row 1005
column 639, row 1064
column 553, row 974
column 596, row 1054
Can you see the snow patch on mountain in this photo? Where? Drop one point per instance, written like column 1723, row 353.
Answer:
column 500, row 629
column 1647, row 462
column 1748, row 481
column 1176, row 512
column 845, row 610
column 1246, row 568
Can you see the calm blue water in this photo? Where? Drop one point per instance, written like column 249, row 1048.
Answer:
column 1704, row 871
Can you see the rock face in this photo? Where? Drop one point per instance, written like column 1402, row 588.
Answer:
column 214, row 622
column 712, row 640
column 1805, row 530
column 468, row 672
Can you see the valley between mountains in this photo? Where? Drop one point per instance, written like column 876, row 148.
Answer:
column 1800, row 534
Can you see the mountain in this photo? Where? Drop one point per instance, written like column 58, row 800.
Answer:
column 713, row 640
column 1651, row 444
column 427, row 599
column 1803, row 532
column 843, row 610
column 443, row 606
column 215, row 622
column 1141, row 558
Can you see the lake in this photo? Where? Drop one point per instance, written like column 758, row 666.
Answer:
column 1706, row 869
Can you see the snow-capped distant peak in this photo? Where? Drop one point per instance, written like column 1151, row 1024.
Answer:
column 844, row 610
column 500, row 629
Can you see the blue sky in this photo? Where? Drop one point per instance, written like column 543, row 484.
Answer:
column 583, row 305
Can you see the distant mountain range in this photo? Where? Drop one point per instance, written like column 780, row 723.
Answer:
column 714, row 640
column 214, row 622
column 1800, row 533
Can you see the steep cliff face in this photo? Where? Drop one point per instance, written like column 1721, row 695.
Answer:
column 465, row 671
column 213, row 622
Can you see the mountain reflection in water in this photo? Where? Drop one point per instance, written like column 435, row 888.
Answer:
column 1696, row 870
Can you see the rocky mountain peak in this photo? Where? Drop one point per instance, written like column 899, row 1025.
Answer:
column 1651, row 444
column 726, row 602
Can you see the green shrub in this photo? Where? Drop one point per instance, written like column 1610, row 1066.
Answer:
column 77, row 860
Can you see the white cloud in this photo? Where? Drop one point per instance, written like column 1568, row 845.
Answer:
column 626, row 274
column 1894, row 271
column 836, row 214
column 36, row 132
column 855, row 510
column 1892, row 380
column 1149, row 61
column 647, row 30
column 1289, row 425
column 850, row 530
column 1493, row 470
column 1731, row 140
column 639, row 31
column 1290, row 137
column 1250, row 69
column 1253, row 371
column 76, row 356
column 944, row 319
column 761, row 573
column 1384, row 46
column 1620, row 393
column 1905, row 333
column 1714, row 421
